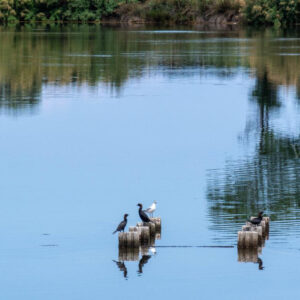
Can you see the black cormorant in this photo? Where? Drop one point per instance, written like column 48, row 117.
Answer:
column 122, row 225
column 256, row 221
column 142, row 214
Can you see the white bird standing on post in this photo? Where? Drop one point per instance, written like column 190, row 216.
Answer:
column 151, row 209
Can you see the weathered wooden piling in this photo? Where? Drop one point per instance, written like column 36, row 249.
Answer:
column 258, row 229
column 143, row 231
column 264, row 224
column 128, row 254
column 247, row 255
column 267, row 221
column 253, row 236
column 148, row 224
column 248, row 239
column 129, row 240
column 157, row 236
column 157, row 222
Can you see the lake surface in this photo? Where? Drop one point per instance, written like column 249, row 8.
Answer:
column 95, row 119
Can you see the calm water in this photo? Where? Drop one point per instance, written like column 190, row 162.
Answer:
column 94, row 120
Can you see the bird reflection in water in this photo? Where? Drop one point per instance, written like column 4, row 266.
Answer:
column 121, row 265
column 146, row 253
column 152, row 250
column 142, row 262
column 260, row 263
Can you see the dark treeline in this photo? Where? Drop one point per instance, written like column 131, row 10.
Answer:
column 274, row 12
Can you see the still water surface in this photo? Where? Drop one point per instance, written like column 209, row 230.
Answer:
column 94, row 120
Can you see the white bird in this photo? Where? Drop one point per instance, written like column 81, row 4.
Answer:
column 151, row 209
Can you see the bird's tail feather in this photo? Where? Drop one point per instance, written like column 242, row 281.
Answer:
column 114, row 232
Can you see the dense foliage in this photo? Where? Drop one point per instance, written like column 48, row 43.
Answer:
column 55, row 10
column 276, row 12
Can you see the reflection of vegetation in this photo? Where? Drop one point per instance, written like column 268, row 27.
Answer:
column 268, row 180
column 33, row 56
column 265, row 93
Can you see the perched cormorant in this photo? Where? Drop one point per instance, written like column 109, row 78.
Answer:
column 256, row 221
column 122, row 225
column 142, row 214
column 122, row 267
column 142, row 262
column 151, row 209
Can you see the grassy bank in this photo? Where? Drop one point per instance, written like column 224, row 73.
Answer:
column 258, row 12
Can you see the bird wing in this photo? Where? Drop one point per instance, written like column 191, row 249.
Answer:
column 143, row 215
column 151, row 207
column 121, row 226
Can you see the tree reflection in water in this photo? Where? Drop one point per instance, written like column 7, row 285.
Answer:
column 35, row 56
column 267, row 180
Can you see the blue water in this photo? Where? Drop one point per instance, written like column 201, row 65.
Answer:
column 87, row 150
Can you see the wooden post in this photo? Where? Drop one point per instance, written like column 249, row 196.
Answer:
column 148, row 224
column 264, row 224
column 247, row 239
column 157, row 236
column 143, row 231
column 257, row 229
column 129, row 240
column 157, row 222
column 128, row 254
column 267, row 221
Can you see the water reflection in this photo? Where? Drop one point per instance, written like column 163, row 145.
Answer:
column 34, row 56
column 250, row 256
column 133, row 255
column 122, row 267
column 260, row 264
column 128, row 254
column 142, row 262
column 268, row 179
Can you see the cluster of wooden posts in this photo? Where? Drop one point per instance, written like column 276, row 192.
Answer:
column 251, row 239
column 139, row 239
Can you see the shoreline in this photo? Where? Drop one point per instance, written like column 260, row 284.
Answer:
column 215, row 19
column 258, row 13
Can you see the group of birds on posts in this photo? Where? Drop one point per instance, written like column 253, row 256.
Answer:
column 142, row 213
column 252, row 238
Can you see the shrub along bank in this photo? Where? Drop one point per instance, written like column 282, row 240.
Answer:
column 258, row 12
